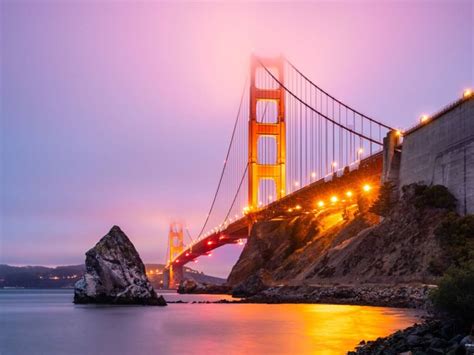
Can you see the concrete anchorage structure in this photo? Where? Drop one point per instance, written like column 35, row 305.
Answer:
column 438, row 151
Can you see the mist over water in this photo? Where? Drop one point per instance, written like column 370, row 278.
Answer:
column 46, row 322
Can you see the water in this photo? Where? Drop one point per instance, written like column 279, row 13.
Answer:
column 46, row 322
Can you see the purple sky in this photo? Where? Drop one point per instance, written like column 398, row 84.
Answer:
column 120, row 112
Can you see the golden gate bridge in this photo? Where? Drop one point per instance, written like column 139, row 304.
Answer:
column 294, row 147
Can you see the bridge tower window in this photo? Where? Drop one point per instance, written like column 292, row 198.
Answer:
column 267, row 150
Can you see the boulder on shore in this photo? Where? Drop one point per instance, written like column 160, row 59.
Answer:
column 115, row 274
column 192, row 286
column 252, row 285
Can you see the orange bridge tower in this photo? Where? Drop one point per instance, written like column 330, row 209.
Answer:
column 266, row 90
column 173, row 277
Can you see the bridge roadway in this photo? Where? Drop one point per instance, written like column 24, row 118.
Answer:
column 350, row 178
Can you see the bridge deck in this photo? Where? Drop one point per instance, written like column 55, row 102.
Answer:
column 367, row 171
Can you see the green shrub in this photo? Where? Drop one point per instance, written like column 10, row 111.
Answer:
column 456, row 236
column 385, row 201
column 455, row 293
column 437, row 196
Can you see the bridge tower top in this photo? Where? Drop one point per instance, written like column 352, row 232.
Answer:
column 265, row 91
column 175, row 241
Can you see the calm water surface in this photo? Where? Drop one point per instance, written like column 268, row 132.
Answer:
column 46, row 322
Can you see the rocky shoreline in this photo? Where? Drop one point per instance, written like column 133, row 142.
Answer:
column 434, row 336
column 193, row 287
column 403, row 296
column 400, row 296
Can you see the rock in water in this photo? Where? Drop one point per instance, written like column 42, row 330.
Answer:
column 115, row 274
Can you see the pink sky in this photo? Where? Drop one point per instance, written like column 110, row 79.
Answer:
column 119, row 113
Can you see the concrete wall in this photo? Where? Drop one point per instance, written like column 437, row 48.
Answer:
column 442, row 152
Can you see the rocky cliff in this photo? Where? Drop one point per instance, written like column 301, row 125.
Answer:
column 115, row 274
column 344, row 246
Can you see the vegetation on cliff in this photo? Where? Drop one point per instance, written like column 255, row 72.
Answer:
column 386, row 200
column 455, row 294
column 453, row 299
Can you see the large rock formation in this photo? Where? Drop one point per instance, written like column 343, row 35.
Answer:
column 115, row 274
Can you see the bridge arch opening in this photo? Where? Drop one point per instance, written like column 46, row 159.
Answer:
column 267, row 150
column 267, row 111
column 266, row 191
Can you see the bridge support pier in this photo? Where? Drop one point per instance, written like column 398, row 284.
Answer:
column 173, row 276
column 173, row 273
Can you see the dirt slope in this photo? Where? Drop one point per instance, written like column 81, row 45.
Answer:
column 345, row 247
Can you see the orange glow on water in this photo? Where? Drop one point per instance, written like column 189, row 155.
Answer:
column 295, row 328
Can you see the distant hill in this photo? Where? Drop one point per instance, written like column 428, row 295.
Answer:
column 155, row 275
column 66, row 276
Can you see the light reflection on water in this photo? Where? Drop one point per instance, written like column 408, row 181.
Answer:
column 46, row 322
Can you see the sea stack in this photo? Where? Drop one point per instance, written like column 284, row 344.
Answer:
column 115, row 274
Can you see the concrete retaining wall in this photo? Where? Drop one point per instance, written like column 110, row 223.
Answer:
column 442, row 152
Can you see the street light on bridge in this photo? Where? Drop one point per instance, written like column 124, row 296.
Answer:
column 424, row 118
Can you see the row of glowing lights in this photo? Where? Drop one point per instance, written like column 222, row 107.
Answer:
column 466, row 95
column 333, row 199
column 209, row 243
column 424, row 118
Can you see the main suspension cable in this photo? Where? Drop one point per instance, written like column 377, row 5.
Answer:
column 335, row 99
column 312, row 109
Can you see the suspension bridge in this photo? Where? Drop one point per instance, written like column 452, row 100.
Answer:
column 294, row 147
